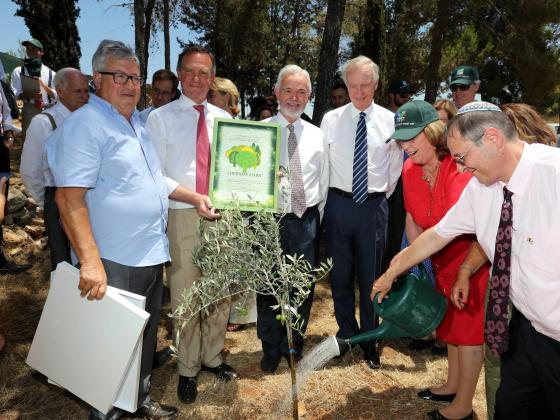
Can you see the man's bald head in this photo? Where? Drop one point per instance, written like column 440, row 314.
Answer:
column 72, row 88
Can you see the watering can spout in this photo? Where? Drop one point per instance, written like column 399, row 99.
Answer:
column 385, row 330
column 343, row 344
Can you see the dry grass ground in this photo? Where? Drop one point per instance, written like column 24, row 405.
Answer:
column 344, row 389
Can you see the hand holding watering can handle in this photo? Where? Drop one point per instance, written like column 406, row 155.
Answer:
column 381, row 287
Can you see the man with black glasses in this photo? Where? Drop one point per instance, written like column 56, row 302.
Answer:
column 465, row 82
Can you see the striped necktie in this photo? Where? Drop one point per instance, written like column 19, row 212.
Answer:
column 296, row 178
column 360, row 175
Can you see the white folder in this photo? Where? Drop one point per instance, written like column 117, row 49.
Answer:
column 87, row 346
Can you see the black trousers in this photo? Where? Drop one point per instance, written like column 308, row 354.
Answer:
column 395, row 228
column 356, row 238
column 58, row 242
column 148, row 282
column 530, row 378
column 301, row 237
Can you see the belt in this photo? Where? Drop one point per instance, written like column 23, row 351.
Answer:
column 293, row 215
column 346, row 194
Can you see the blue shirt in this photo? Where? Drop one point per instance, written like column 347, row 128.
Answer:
column 97, row 148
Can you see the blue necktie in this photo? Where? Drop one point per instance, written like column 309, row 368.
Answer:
column 360, row 175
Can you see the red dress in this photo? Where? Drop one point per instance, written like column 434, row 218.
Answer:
column 427, row 207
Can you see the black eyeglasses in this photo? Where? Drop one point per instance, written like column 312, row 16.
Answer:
column 462, row 88
column 122, row 78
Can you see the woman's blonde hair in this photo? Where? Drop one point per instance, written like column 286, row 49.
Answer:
column 223, row 85
column 435, row 131
column 530, row 126
column 447, row 106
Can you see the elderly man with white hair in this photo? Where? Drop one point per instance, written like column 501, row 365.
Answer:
column 73, row 93
column 303, row 192
column 364, row 170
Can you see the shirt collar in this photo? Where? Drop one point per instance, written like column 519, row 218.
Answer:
column 284, row 122
column 520, row 177
column 355, row 112
column 187, row 102
column 65, row 112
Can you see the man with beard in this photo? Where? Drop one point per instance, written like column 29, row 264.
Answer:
column 303, row 192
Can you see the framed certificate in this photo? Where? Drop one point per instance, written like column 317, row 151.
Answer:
column 244, row 165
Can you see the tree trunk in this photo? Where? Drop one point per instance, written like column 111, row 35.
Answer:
column 328, row 57
column 139, row 28
column 285, row 315
column 167, row 47
column 439, row 31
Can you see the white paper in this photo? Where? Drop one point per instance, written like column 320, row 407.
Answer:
column 86, row 346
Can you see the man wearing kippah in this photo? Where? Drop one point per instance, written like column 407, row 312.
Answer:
column 465, row 82
column 513, row 207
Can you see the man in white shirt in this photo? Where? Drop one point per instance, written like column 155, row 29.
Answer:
column 515, row 198
column 181, row 132
column 72, row 88
column 35, row 102
column 164, row 89
column 302, row 195
column 364, row 170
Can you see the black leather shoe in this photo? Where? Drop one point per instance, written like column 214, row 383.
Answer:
column 223, row 372
column 13, row 268
column 154, row 410
column 162, row 356
column 186, row 389
column 436, row 415
column 428, row 395
column 372, row 359
column 269, row 364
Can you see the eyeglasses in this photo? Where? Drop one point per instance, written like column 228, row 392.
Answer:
column 462, row 88
column 122, row 78
column 460, row 160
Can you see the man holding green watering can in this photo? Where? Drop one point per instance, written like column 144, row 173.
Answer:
column 513, row 207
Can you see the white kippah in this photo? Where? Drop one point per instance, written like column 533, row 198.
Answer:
column 478, row 106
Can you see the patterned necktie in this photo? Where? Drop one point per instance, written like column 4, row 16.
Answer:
column 360, row 175
column 296, row 180
column 202, row 153
column 496, row 324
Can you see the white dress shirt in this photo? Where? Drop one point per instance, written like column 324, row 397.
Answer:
column 17, row 87
column 172, row 128
column 143, row 115
column 313, row 154
column 5, row 114
column 384, row 159
column 535, row 259
column 34, row 169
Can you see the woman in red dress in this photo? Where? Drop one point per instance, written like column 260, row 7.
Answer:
column 432, row 185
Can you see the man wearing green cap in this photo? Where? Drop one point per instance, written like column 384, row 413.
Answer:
column 33, row 102
column 465, row 82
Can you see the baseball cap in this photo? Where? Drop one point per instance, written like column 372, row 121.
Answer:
column 399, row 86
column 411, row 118
column 464, row 75
column 34, row 42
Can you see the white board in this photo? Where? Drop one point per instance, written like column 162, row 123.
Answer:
column 86, row 346
column 127, row 398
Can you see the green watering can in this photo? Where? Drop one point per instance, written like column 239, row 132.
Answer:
column 413, row 308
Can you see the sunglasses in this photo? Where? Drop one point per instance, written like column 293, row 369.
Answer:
column 462, row 88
